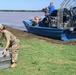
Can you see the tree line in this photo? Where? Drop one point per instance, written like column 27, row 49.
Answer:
column 20, row 10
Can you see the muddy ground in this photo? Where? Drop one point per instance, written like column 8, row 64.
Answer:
column 26, row 35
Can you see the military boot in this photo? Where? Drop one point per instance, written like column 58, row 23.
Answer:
column 13, row 65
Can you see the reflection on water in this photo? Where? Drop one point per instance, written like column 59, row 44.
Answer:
column 14, row 19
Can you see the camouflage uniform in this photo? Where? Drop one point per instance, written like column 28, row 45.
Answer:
column 14, row 45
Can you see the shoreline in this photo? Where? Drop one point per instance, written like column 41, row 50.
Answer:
column 26, row 35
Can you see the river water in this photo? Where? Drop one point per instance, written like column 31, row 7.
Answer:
column 14, row 19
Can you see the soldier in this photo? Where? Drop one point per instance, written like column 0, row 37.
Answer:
column 35, row 20
column 12, row 43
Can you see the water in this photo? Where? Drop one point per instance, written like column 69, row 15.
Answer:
column 14, row 19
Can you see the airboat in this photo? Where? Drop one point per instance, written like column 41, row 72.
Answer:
column 61, row 23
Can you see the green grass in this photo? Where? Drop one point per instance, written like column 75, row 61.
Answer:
column 38, row 57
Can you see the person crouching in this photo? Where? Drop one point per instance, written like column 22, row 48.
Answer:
column 12, row 44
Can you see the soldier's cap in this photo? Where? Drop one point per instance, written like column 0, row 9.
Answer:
column 1, row 26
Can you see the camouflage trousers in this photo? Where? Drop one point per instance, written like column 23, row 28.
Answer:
column 14, row 52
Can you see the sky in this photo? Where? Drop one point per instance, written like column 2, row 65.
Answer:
column 27, row 4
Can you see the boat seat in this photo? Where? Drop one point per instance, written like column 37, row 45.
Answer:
column 54, row 13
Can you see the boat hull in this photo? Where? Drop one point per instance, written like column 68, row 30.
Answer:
column 63, row 34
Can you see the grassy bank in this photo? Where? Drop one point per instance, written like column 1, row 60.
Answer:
column 38, row 57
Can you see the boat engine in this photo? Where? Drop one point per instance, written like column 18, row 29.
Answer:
column 50, row 20
column 73, row 19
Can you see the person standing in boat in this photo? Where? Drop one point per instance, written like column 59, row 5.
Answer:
column 12, row 44
column 51, row 7
column 46, row 11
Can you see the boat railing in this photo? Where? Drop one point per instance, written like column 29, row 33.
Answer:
column 66, row 7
